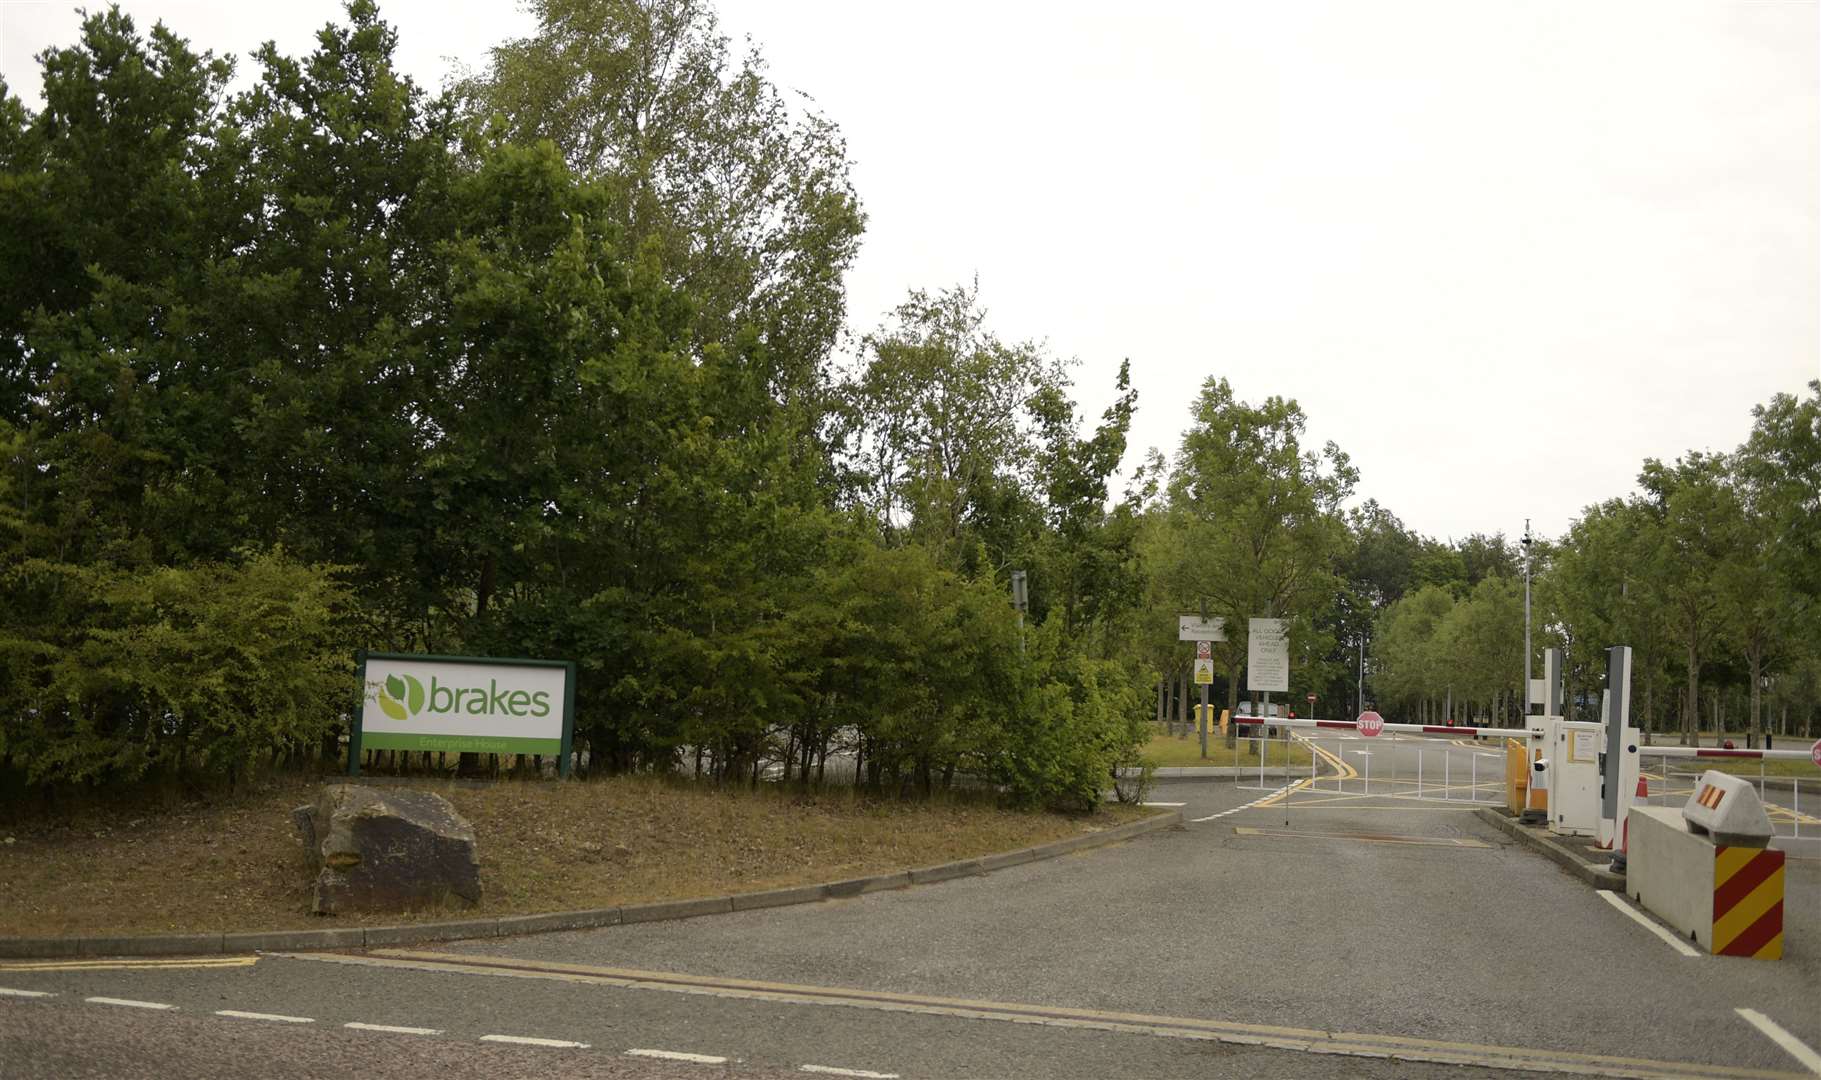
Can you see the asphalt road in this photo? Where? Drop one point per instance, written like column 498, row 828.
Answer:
column 1340, row 935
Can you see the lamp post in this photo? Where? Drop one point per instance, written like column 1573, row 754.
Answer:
column 1526, row 618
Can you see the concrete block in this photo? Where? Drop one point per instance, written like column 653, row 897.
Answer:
column 676, row 909
column 378, row 936
column 559, row 920
column 804, row 894
column 928, row 875
column 876, row 883
column 40, row 946
column 153, row 945
column 1009, row 858
column 1669, row 871
column 347, row 937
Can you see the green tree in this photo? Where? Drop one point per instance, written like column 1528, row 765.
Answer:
column 1264, row 532
column 746, row 198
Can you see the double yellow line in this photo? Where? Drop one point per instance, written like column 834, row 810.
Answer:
column 102, row 964
column 1343, row 771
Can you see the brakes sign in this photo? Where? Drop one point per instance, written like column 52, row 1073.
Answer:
column 1370, row 723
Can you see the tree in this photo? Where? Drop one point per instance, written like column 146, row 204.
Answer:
column 1261, row 516
column 1698, row 521
column 746, row 200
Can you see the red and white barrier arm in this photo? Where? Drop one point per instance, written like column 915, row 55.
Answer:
column 1414, row 729
column 1719, row 752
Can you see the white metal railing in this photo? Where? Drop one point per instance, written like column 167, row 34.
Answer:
column 1312, row 769
column 1677, row 769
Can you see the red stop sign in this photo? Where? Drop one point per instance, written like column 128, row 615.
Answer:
column 1370, row 723
column 1815, row 752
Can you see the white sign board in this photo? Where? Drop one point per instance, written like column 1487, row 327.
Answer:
column 1194, row 628
column 480, row 705
column 1268, row 655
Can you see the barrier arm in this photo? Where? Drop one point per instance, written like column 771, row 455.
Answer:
column 1414, row 729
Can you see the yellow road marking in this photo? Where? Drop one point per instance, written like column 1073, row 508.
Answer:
column 127, row 965
column 1355, row 1044
column 1420, row 841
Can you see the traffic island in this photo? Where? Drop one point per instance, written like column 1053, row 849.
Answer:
column 1576, row 858
column 1706, row 870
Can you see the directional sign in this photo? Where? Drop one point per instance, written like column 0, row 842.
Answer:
column 1371, row 723
column 1815, row 752
column 1195, row 628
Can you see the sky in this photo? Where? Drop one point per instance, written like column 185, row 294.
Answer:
column 1500, row 253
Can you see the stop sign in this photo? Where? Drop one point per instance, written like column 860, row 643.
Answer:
column 1370, row 723
column 1815, row 752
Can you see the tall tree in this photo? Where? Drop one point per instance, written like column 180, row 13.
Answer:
column 1262, row 516
column 746, row 198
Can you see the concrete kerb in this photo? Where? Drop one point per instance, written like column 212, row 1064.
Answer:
column 1539, row 840
column 355, row 937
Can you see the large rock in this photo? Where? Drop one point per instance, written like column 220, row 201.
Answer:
column 388, row 850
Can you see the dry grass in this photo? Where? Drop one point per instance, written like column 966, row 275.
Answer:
column 236, row 864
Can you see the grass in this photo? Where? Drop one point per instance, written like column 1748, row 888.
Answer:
column 236, row 864
column 1166, row 750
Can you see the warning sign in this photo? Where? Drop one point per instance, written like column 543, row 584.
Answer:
column 1204, row 670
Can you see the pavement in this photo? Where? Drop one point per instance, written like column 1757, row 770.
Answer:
column 1324, row 931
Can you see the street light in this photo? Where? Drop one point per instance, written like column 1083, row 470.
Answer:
column 1526, row 543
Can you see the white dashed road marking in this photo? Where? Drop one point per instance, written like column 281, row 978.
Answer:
column 129, row 1003
column 238, row 1015
column 1635, row 916
column 526, row 1040
column 393, row 1029
column 1248, row 806
column 678, row 1055
column 1795, row 1047
column 5, row 992
column 865, row 1074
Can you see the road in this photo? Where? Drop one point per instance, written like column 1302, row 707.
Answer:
column 1331, row 937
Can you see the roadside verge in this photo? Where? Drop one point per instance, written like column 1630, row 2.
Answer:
column 356, row 937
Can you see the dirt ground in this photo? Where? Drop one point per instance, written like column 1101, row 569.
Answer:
column 235, row 863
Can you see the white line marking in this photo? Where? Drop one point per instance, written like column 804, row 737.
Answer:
column 1774, row 1031
column 678, row 1055
column 129, row 1003
column 394, row 1029
column 238, row 1015
column 1163, row 804
column 5, row 992
column 525, row 1040
column 1636, row 916
column 1248, row 806
column 863, row 1073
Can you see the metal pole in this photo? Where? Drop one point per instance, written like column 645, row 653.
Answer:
column 1203, row 722
column 1526, row 617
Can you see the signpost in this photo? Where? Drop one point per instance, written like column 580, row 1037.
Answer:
column 1203, row 631
column 1370, row 723
column 1311, row 706
column 467, row 704
column 1815, row 752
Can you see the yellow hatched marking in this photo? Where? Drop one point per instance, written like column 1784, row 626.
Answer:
column 1748, row 910
column 1729, row 861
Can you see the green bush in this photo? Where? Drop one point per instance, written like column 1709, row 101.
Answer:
column 116, row 674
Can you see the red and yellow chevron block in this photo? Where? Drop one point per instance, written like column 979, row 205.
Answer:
column 1748, row 902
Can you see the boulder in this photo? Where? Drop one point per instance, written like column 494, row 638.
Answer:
column 388, row 850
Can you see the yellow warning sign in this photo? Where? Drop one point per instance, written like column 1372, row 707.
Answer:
column 1204, row 670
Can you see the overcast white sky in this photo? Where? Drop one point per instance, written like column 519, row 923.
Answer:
column 1500, row 252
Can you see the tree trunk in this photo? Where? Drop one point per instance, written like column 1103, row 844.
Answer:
column 1691, row 712
column 1753, row 730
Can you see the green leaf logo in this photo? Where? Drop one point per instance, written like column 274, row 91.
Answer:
column 401, row 692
